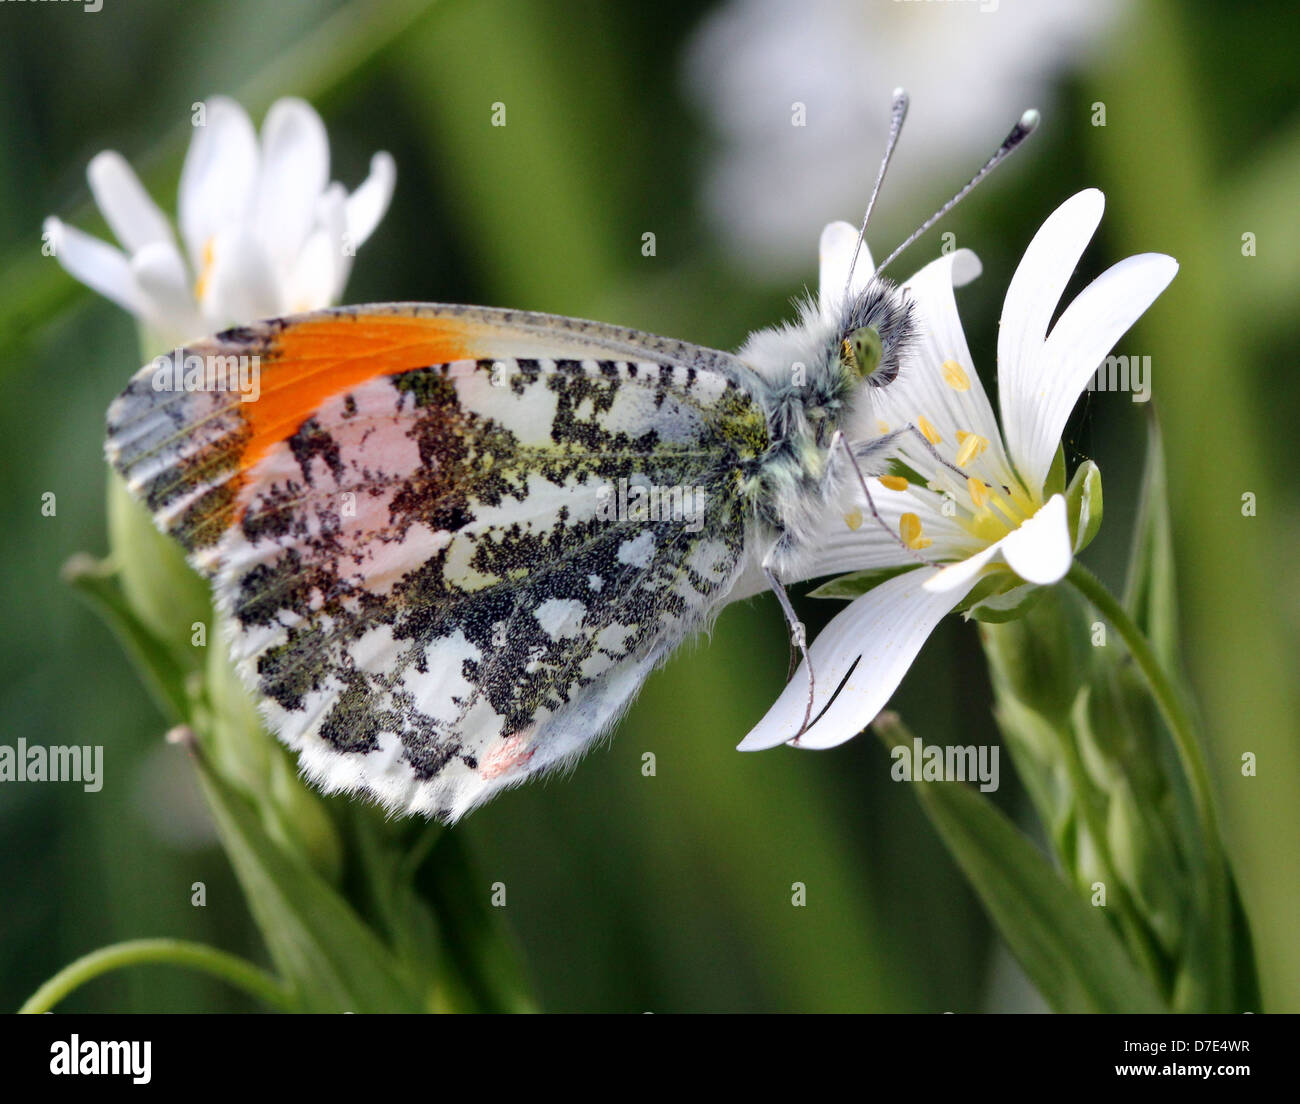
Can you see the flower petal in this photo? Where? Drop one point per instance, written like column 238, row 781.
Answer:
column 163, row 278
column 367, row 205
column 293, row 176
column 835, row 254
column 858, row 659
column 1032, row 296
column 134, row 218
column 937, row 381
column 218, row 176
column 837, row 546
column 322, row 264
column 242, row 287
column 1086, row 331
column 1039, row 551
column 98, row 265
column 955, row 576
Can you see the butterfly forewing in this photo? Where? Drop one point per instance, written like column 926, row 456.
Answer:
column 427, row 535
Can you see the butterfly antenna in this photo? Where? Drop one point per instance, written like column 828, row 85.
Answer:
column 1022, row 130
column 897, row 113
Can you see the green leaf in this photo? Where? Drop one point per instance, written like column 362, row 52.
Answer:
column 483, row 961
column 1150, row 595
column 96, row 582
column 1067, row 948
column 1245, row 972
column 333, row 961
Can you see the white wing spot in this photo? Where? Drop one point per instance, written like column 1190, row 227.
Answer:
column 560, row 617
column 639, row 551
column 595, row 582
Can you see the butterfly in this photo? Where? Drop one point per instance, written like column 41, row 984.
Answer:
column 451, row 542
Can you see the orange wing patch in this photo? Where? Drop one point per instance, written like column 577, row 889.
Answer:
column 185, row 450
column 316, row 358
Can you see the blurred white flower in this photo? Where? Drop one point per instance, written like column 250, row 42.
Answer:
column 997, row 519
column 263, row 231
column 971, row 69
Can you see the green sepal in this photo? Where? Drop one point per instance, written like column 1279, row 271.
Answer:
column 1010, row 601
column 1054, row 484
column 857, row 583
column 1083, row 505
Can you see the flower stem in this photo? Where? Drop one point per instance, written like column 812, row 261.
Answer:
column 173, row 952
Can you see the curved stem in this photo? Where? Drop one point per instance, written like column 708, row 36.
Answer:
column 170, row 952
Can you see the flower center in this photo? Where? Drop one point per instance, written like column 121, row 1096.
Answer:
column 986, row 501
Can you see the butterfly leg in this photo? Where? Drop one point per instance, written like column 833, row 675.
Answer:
column 798, row 638
column 928, row 445
column 839, row 438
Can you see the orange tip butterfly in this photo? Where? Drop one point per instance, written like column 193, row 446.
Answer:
column 450, row 543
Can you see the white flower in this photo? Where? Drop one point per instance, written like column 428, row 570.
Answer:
column 263, row 230
column 780, row 171
column 996, row 520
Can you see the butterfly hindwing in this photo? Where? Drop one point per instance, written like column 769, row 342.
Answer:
column 425, row 531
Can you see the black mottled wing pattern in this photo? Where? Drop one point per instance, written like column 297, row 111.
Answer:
column 446, row 577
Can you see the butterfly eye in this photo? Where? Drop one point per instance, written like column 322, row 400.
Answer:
column 862, row 350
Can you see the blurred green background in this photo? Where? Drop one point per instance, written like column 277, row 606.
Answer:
column 673, row 892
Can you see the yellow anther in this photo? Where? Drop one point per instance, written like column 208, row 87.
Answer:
column 909, row 528
column 894, row 482
column 979, row 494
column 972, row 447
column 954, row 375
column 882, row 426
column 205, row 275
column 853, row 519
column 931, row 434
